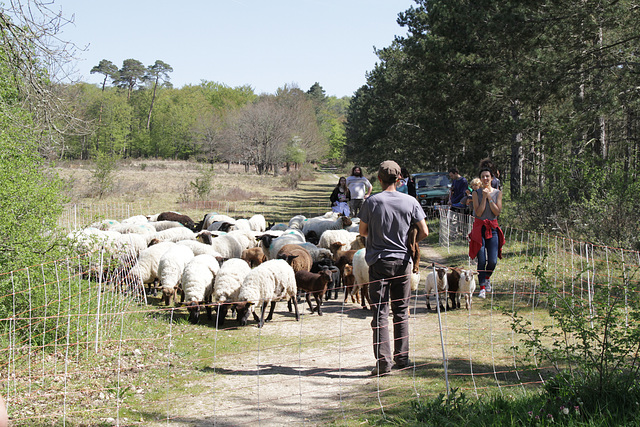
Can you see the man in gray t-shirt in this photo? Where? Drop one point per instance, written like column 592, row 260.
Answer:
column 385, row 219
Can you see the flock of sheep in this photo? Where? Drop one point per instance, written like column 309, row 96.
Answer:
column 224, row 262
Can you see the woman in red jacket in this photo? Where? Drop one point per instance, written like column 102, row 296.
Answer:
column 486, row 238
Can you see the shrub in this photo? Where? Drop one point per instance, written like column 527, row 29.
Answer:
column 103, row 174
column 203, row 184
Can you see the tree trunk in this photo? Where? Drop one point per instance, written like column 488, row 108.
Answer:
column 153, row 98
column 516, row 157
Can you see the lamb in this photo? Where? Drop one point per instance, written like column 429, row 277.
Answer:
column 313, row 283
column 327, row 264
column 297, row 256
column 253, row 256
column 319, row 225
column 467, row 287
column 172, row 235
column 349, row 281
column 170, row 269
column 439, row 283
column 227, row 284
column 269, row 282
column 197, row 284
column 226, row 245
column 178, row 217
column 453, row 281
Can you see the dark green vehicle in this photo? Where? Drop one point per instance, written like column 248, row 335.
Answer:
column 432, row 188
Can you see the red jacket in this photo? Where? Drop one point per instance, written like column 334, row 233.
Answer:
column 475, row 237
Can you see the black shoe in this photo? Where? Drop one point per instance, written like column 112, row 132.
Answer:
column 376, row 372
column 402, row 365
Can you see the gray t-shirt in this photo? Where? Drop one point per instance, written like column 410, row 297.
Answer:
column 487, row 214
column 389, row 215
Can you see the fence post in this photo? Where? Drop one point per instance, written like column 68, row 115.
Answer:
column 444, row 355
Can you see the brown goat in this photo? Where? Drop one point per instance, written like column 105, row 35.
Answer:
column 453, row 282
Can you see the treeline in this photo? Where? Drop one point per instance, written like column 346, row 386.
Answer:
column 137, row 113
column 549, row 90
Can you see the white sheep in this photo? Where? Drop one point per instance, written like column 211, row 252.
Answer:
column 137, row 219
column 164, row 225
column 131, row 243
column 241, row 224
column 317, row 254
column 281, row 226
column 172, row 235
column 258, row 223
column 271, row 281
column 274, row 245
column 313, row 228
column 227, row 246
column 105, row 224
column 349, row 240
column 197, row 284
column 140, row 228
column 246, row 238
column 213, row 217
column 170, row 269
column 227, row 284
column 437, row 283
column 200, row 248
column 361, row 276
column 147, row 265
column 297, row 222
column 466, row 287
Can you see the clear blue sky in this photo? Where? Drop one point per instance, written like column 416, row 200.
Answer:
column 261, row 43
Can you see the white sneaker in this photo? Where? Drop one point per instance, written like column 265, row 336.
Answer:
column 482, row 294
column 487, row 286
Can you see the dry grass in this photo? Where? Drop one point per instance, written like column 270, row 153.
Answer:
column 162, row 185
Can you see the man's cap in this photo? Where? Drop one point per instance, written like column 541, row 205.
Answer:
column 389, row 171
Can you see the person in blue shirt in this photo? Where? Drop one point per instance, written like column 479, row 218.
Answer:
column 458, row 187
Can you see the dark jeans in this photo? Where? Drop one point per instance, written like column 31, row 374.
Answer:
column 355, row 205
column 390, row 283
column 487, row 256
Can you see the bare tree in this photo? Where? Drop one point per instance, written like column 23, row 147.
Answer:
column 38, row 59
column 266, row 132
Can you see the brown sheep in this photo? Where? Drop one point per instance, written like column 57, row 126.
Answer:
column 313, row 283
column 298, row 257
column 175, row 216
column 254, row 256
